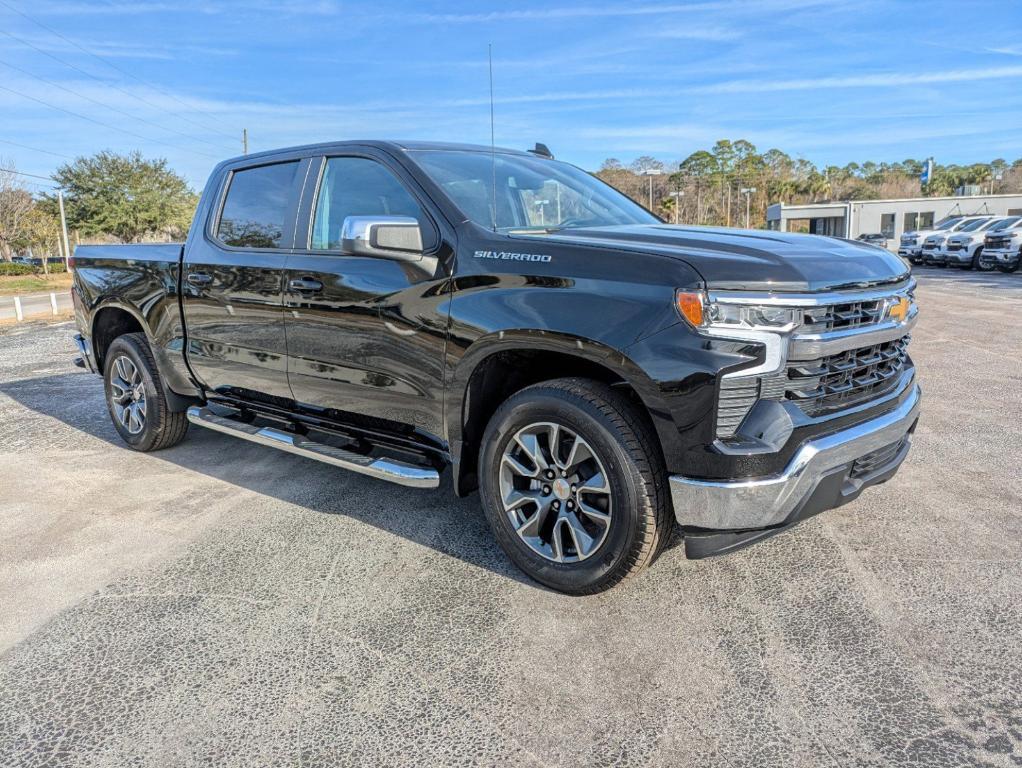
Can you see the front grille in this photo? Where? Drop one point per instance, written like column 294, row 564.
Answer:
column 838, row 316
column 846, row 379
column 929, row 246
column 908, row 240
column 955, row 246
column 876, row 460
column 998, row 242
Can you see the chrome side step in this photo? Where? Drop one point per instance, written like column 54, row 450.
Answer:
column 383, row 469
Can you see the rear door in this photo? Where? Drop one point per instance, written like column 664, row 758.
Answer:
column 232, row 281
column 366, row 334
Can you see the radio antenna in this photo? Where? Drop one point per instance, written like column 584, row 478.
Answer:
column 493, row 145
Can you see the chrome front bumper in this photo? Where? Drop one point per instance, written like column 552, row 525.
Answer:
column 768, row 501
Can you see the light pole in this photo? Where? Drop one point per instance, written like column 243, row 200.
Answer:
column 651, row 172
column 747, row 191
column 542, row 211
column 677, row 195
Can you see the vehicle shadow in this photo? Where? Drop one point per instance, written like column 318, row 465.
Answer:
column 432, row 518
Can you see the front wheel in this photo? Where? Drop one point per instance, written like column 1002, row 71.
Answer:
column 573, row 485
column 135, row 398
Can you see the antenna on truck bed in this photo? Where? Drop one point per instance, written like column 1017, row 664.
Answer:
column 493, row 146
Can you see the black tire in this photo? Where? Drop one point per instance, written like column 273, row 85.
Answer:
column 161, row 427
column 976, row 263
column 642, row 517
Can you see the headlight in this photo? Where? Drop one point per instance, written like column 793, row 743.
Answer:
column 699, row 312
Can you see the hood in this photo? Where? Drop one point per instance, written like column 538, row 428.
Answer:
column 754, row 260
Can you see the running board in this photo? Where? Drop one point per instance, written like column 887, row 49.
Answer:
column 383, row 469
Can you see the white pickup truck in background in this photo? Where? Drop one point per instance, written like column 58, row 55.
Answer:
column 965, row 247
column 1003, row 248
column 912, row 243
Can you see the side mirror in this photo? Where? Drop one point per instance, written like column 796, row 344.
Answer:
column 388, row 237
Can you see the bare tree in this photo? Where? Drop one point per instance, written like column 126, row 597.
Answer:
column 15, row 206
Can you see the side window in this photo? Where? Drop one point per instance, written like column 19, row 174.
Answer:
column 256, row 205
column 887, row 224
column 357, row 186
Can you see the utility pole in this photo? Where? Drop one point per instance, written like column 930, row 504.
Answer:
column 651, row 172
column 729, row 203
column 747, row 191
column 244, row 140
column 63, row 230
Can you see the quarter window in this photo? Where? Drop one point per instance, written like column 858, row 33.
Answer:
column 358, row 186
column 256, row 206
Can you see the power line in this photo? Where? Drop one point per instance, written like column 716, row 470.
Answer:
column 105, row 106
column 105, row 83
column 98, row 122
column 31, row 176
column 119, row 69
column 35, row 149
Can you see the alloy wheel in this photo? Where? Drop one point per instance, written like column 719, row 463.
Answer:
column 555, row 492
column 127, row 394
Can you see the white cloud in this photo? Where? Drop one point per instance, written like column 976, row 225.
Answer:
column 877, row 80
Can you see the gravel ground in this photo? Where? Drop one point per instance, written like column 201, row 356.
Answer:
column 221, row 603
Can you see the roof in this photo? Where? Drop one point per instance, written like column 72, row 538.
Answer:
column 844, row 203
column 393, row 145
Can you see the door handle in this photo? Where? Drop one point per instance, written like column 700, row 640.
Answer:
column 305, row 285
column 199, row 278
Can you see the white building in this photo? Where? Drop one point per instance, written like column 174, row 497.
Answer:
column 851, row 218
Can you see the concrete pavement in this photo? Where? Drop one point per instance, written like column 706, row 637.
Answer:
column 221, row 603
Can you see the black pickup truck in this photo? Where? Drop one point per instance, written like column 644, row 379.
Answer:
column 397, row 309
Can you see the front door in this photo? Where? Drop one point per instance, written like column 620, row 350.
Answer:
column 232, row 283
column 366, row 334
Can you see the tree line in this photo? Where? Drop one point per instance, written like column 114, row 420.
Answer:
column 107, row 197
column 718, row 186
column 129, row 198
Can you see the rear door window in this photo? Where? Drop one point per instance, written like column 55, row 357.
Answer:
column 255, row 210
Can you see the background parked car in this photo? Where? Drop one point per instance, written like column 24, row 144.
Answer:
column 964, row 248
column 875, row 238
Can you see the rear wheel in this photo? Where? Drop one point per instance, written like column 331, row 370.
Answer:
column 573, row 486
column 135, row 397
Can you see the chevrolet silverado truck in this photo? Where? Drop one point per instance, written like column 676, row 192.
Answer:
column 933, row 245
column 1003, row 248
column 965, row 248
column 912, row 244
column 406, row 310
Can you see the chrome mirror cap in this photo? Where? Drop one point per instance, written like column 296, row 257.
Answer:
column 390, row 237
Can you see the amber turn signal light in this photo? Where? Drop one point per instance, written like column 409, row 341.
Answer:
column 690, row 305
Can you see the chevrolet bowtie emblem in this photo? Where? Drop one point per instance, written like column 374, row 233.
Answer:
column 899, row 310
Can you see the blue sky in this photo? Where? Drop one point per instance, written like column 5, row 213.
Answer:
column 829, row 81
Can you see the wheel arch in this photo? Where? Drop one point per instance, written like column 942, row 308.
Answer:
column 497, row 366
column 113, row 319
column 109, row 321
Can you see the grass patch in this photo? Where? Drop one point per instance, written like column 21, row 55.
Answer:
column 16, row 285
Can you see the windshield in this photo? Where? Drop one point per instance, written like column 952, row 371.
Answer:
column 1004, row 224
column 946, row 224
column 972, row 226
column 532, row 193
